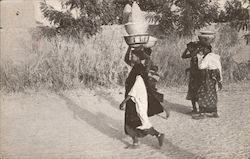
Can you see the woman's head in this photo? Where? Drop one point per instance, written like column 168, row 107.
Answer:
column 207, row 49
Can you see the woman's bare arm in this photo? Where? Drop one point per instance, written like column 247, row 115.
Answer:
column 124, row 102
column 186, row 54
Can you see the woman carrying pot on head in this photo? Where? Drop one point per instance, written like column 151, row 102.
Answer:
column 137, row 109
column 210, row 65
column 154, row 98
column 194, row 73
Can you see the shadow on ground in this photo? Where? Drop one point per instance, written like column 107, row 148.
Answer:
column 108, row 97
column 178, row 107
column 100, row 121
column 112, row 128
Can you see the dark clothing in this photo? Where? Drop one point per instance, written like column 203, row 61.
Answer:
column 207, row 94
column 157, row 95
column 151, row 71
column 194, row 79
column 154, row 106
column 132, row 121
column 138, row 69
column 148, row 64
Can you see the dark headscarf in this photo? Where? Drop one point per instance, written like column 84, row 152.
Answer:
column 207, row 49
column 139, row 53
column 192, row 44
column 148, row 51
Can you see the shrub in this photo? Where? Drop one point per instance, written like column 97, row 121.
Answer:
column 63, row 63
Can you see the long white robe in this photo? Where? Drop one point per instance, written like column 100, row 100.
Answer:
column 139, row 96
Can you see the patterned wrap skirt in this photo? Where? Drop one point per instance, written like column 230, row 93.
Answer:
column 207, row 93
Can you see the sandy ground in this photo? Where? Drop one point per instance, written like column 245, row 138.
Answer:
column 87, row 124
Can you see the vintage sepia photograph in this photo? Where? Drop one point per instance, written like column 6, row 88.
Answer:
column 124, row 79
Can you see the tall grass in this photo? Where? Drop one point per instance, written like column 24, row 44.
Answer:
column 62, row 63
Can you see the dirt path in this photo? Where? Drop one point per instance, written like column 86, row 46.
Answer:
column 86, row 124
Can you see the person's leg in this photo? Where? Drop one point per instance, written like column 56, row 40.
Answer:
column 167, row 111
column 135, row 141
column 134, row 134
column 202, row 102
column 166, row 108
column 158, row 135
column 214, row 101
column 152, row 131
column 200, row 114
column 194, row 106
column 213, row 113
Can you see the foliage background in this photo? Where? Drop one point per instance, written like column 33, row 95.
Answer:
column 85, row 51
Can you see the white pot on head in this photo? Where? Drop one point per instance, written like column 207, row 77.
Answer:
column 126, row 13
column 127, row 9
column 136, row 28
column 136, row 40
column 206, row 37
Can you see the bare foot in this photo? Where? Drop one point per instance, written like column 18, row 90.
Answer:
column 198, row 116
column 160, row 138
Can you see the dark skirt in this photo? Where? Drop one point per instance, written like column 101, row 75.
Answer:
column 154, row 105
column 207, row 93
column 132, row 120
column 194, row 79
column 193, row 87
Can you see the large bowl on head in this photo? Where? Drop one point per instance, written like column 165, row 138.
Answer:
column 207, row 32
column 151, row 42
column 136, row 40
column 206, row 37
column 136, row 28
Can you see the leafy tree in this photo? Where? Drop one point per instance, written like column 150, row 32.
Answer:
column 222, row 18
column 237, row 16
column 182, row 16
column 87, row 20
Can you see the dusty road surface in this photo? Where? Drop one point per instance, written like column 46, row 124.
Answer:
column 87, row 124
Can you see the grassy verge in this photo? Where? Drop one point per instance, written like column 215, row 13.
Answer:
column 60, row 63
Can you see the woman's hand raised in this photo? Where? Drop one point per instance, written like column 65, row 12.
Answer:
column 122, row 106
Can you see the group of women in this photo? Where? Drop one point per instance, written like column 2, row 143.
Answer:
column 142, row 99
column 205, row 79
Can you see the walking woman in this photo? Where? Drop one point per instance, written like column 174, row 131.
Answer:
column 194, row 73
column 210, row 65
column 154, row 98
column 137, row 123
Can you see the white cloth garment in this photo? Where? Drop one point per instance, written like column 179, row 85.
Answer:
column 139, row 96
column 211, row 62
